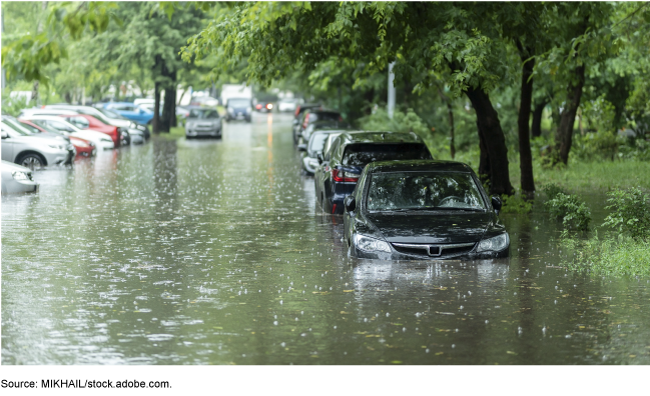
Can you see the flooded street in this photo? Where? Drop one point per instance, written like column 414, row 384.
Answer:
column 212, row 252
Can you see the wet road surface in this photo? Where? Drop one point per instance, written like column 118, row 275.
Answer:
column 212, row 252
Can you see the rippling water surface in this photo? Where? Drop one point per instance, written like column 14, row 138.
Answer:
column 212, row 252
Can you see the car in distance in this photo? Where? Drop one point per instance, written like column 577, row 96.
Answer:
column 85, row 121
column 315, row 147
column 239, row 109
column 84, row 148
column 203, row 122
column 420, row 210
column 319, row 126
column 135, row 113
column 107, row 117
column 17, row 179
column 288, row 104
column 297, row 117
column 337, row 175
column 101, row 140
column 313, row 115
column 33, row 151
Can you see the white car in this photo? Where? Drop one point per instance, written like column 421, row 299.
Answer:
column 138, row 132
column 288, row 105
column 101, row 140
column 17, row 179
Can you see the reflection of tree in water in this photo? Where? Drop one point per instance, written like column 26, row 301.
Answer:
column 408, row 190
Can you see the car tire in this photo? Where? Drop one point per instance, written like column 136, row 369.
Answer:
column 32, row 161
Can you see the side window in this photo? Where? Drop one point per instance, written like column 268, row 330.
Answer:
column 80, row 122
column 332, row 149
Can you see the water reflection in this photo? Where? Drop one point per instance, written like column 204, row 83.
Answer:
column 212, row 252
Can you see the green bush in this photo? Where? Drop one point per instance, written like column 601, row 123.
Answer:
column 630, row 212
column 552, row 190
column 610, row 256
column 515, row 204
column 401, row 122
column 574, row 213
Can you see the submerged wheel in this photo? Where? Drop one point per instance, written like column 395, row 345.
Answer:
column 31, row 160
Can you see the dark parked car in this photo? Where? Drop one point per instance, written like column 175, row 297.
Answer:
column 297, row 117
column 203, row 122
column 340, row 167
column 414, row 210
column 311, row 116
column 239, row 108
column 315, row 147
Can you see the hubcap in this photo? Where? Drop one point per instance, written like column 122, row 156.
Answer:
column 32, row 163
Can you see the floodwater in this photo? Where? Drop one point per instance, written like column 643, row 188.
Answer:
column 212, row 252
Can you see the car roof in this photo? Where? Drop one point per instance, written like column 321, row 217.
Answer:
column 379, row 137
column 418, row 166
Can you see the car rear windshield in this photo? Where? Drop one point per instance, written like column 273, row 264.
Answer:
column 322, row 116
column 203, row 114
column 423, row 190
column 239, row 103
column 361, row 154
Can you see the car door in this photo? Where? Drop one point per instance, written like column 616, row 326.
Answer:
column 7, row 145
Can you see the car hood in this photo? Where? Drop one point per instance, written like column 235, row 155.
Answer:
column 120, row 123
column 437, row 227
column 11, row 167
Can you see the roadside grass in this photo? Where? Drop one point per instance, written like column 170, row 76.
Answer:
column 619, row 256
column 589, row 176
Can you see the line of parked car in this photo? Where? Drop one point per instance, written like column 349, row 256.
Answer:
column 57, row 135
column 397, row 202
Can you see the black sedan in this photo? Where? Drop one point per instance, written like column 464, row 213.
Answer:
column 337, row 175
column 415, row 210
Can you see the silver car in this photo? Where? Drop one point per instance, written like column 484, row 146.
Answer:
column 22, row 147
column 17, row 179
column 138, row 133
column 203, row 122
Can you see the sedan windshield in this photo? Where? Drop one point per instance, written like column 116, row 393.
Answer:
column 317, row 141
column 204, row 114
column 397, row 191
column 239, row 103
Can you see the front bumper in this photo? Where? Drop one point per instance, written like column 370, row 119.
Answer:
column 59, row 157
column 395, row 256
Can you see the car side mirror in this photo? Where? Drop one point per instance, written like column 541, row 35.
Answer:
column 302, row 147
column 295, row 121
column 4, row 134
column 496, row 203
column 349, row 203
column 319, row 157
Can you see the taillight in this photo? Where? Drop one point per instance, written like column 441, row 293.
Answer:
column 306, row 122
column 258, row 106
column 342, row 176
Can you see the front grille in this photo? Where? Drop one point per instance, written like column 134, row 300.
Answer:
column 434, row 250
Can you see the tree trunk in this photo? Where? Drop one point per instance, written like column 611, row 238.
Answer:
column 35, row 92
column 564, row 132
column 155, row 124
column 494, row 140
column 484, row 159
column 525, row 155
column 536, row 130
column 166, row 121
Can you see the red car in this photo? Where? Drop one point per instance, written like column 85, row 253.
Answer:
column 84, row 147
column 85, row 121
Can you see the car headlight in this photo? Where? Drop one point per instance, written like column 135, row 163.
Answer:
column 57, row 146
column 369, row 244
column 133, row 125
column 496, row 243
column 19, row 175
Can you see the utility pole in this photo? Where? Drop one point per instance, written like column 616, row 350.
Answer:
column 391, row 90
